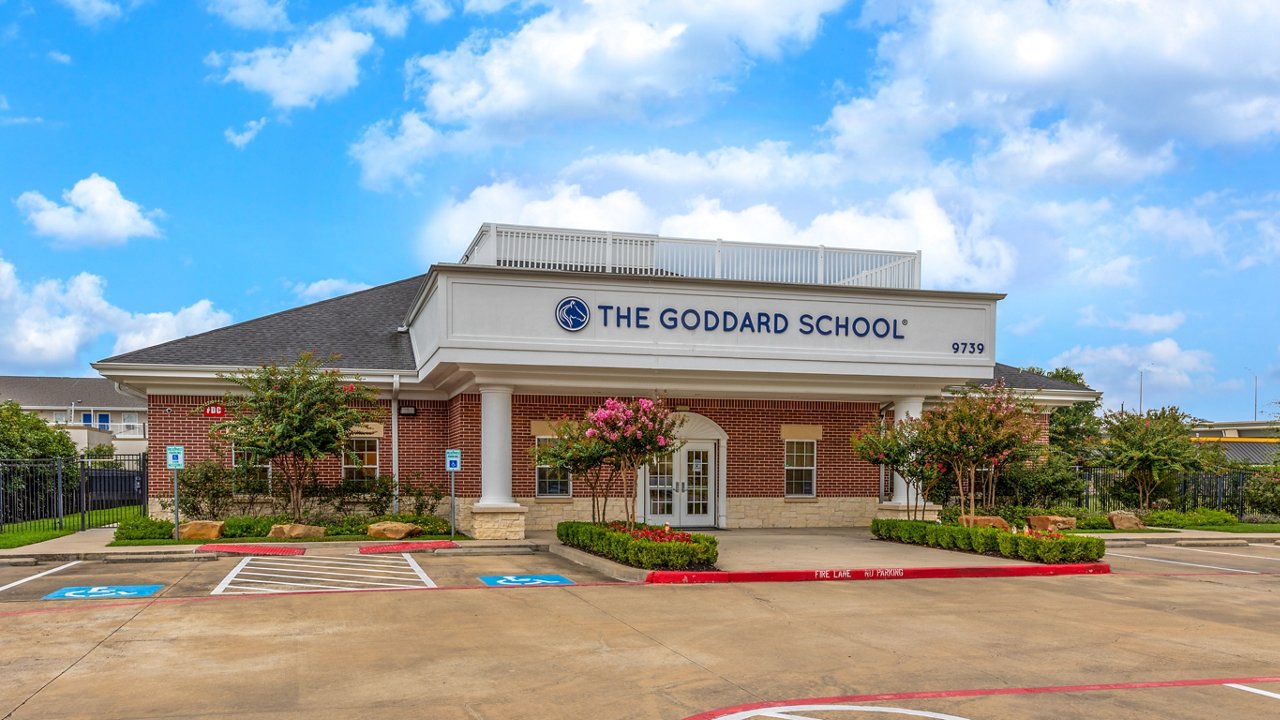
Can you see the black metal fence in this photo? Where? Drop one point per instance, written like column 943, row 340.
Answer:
column 1107, row 489
column 71, row 493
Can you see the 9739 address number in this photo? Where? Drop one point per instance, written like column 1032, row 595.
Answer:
column 967, row 348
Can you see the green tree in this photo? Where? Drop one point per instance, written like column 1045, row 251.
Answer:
column 588, row 458
column 1152, row 447
column 24, row 436
column 612, row 441
column 901, row 448
column 980, row 429
column 294, row 416
column 1075, row 429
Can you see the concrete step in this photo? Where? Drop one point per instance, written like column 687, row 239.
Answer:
column 465, row 550
column 17, row 562
column 158, row 557
column 1125, row 543
column 1213, row 542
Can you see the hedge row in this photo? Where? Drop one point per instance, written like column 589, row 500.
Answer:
column 257, row 526
column 1018, row 514
column 628, row 550
column 1068, row 549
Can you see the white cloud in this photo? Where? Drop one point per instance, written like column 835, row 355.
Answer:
column 765, row 166
column 1069, row 154
column 246, row 136
column 1182, row 228
column 322, row 64
column 54, row 322
column 251, row 14
column 959, row 254
column 1027, row 325
column 92, row 12
column 4, row 103
column 1117, row 271
column 884, row 136
column 452, row 226
column 60, row 57
column 389, row 19
column 388, row 156
column 593, row 61
column 1199, row 69
column 1163, row 364
column 325, row 289
column 1150, row 323
column 432, row 11
column 95, row 214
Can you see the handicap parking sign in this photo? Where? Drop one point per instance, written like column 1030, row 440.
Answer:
column 524, row 580
column 100, row 592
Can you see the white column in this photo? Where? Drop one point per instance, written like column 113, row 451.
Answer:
column 903, row 408
column 495, row 446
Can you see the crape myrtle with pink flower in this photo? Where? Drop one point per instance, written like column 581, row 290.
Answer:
column 610, row 443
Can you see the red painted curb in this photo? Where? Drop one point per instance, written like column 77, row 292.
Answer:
column 407, row 547
column 666, row 577
column 238, row 549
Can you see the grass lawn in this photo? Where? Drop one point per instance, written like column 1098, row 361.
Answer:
column 19, row 538
column 1242, row 528
column 326, row 538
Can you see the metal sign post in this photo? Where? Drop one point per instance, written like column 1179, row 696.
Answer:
column 175, row 456
column 452, row 464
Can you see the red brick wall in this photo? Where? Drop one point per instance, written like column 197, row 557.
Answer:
column 755, row 447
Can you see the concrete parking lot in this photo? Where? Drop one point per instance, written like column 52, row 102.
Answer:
column 1204, row 631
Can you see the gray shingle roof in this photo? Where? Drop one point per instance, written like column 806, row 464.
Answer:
column 59, row 392
column 359, row 327
column 1015, row 378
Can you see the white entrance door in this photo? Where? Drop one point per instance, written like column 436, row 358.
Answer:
column 681, row 487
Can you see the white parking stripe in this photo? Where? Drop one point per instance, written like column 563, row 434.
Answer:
column 222, row 586
column 418, row 569
column 246, row 576
column 271, row 574
column 1246, row 688
column 1219, row 552
column 326, row 573
column 1175, row 562
column 29, row 578
column 334, row 568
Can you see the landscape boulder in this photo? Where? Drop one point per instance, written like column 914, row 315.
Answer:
column 1052, row 523
column 393, row 530
column 296, row 531
column 1122, row 520
column 200, row 530
column 994, row 521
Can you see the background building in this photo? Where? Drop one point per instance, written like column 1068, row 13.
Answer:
column 93, row 410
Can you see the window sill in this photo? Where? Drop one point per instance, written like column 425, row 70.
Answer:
column 553, row 500
column 800, row 499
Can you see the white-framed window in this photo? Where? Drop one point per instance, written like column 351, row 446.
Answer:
column 60, row 418
column 360, row 461
column 801, row 467
column 552, row 482
column 130, row 422
column 253, row 467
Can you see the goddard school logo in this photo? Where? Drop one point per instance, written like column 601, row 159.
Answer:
column 572, row 313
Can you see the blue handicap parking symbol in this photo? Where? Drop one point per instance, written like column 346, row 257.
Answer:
column 99, row 592
column 524, row 580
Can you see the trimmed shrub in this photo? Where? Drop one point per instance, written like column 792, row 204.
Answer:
column 1196, row 518
column 699, row 551
column 1051, row 549
column 251, row 526
column 1262, row 494
column 141, row 527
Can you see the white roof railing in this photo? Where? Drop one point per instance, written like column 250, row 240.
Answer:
column 542, row 248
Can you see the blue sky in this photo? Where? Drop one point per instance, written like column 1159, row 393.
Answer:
column 170, row 167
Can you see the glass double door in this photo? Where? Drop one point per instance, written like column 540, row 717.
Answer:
column 680, row 488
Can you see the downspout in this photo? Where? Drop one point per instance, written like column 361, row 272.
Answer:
column 395, row 442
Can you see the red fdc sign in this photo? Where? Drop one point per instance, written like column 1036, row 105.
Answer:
column 215, row 411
